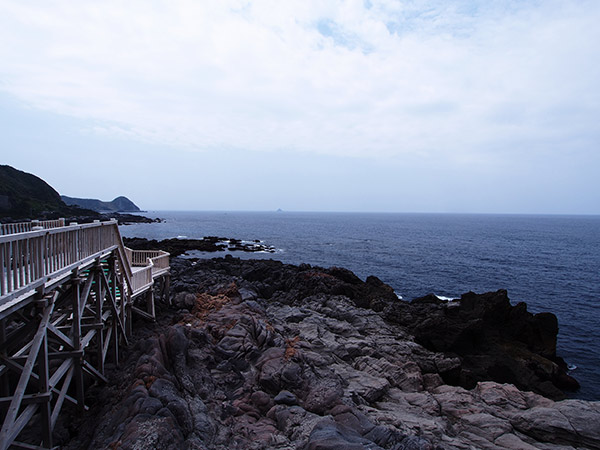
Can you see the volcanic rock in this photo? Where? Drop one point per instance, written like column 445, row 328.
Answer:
column 318, row 359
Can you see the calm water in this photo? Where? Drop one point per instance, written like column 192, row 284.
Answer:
column 550, row 262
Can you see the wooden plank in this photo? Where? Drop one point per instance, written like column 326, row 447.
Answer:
column 19, row 424
column 142, row 313
column 61, row 397
column 92, row 371
column 106, row 343
column 25, row 446
column 44, row 387
column 60, row 336
column 28, row 398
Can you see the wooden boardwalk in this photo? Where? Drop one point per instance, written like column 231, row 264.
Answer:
column 67, row 297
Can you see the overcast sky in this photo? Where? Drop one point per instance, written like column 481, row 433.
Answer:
column 407, row 106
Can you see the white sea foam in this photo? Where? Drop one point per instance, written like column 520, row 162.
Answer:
column 446, row 299
column 181, row 237
column 399, row 296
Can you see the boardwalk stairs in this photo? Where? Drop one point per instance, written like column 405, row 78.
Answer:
column 68, row 294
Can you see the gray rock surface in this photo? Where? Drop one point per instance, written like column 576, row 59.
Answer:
column 306, row 370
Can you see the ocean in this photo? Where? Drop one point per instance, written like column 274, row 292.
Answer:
column 550, row 262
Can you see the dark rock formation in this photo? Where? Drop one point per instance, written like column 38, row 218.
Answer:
column 178, row 247
column 263, row 355
column 127, row 219
column 495, row 340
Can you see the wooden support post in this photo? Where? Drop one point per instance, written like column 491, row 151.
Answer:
column 129, row 313
column 165, row 294
column 115, row 323
column 122, row 306
column 76, row 337
column 150, row 303
column 98, row 311
column 45, row 390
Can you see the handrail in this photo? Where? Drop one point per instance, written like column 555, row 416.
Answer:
column 153, row 262
column 141, row 257
column 22, row 227
column 26, row 258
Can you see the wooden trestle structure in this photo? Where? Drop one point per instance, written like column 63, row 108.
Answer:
column 67, row 295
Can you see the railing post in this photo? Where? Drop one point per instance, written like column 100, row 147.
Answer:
column 150, row 303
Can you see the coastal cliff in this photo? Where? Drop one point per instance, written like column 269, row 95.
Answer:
column 260, row 354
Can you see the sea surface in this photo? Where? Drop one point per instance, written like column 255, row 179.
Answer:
column 550, row 262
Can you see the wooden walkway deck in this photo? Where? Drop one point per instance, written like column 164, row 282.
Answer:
column 67, row 298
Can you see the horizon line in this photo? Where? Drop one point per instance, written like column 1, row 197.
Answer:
column 367, row 212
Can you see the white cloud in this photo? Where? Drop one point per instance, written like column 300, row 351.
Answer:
column 455, row 80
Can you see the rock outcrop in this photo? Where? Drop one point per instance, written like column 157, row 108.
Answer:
column 495, row 340
column 179, row 246
column 258, row 354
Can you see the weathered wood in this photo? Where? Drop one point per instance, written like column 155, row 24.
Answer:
column 143, row 313
column 89, row 273
column 61, row 398
column 11, row 415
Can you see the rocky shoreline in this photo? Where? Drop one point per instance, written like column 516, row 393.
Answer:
column 258, row 354
column 179, row 246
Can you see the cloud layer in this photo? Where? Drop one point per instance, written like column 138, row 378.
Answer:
column 466, row 82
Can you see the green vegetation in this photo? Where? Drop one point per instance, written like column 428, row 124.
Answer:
column 25, row 196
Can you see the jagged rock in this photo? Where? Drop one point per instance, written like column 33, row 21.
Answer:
column 495, row 340
column 262, row 355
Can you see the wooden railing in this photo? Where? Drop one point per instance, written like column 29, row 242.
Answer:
column 160, row 262
column 23, row 227
column 141, row 279
column 152, row 262
column 67, row 298
column 29, row 259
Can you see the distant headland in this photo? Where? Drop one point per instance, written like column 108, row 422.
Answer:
column 26, row 196
column 119, row 204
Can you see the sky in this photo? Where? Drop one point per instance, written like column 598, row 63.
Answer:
column 307, row 105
